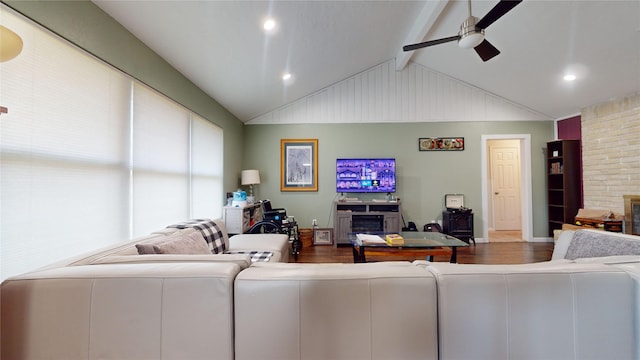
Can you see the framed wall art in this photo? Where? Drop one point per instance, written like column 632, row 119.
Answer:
column 323, row 236
column 441, row 144
column 299, row 165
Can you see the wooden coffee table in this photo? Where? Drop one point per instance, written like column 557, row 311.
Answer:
column 428, row 243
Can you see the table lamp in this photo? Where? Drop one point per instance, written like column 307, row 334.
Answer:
column 250, row 177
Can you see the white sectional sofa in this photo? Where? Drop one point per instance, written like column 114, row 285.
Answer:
column 238, row 249
column 584, row 308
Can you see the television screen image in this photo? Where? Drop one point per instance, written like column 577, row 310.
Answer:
column 373, row 175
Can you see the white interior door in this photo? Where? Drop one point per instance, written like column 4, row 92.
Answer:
column 505, row 184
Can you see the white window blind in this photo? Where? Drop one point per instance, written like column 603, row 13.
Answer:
column 78, row 168
column 63, row 152
column 206, row 169
column 160, row 162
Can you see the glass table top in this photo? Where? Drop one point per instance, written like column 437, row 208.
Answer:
column 412, row 239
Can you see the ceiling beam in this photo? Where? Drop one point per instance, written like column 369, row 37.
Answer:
column 424, row 23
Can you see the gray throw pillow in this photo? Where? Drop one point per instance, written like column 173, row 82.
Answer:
column 145, row 249
column 193, row 243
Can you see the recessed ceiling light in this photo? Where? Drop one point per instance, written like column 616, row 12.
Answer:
column 288, row 79
column 269, row 24
column 569, row 77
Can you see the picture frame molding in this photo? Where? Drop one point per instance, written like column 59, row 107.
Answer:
column 290, row 150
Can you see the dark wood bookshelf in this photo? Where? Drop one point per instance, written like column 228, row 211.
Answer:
column 563, row 182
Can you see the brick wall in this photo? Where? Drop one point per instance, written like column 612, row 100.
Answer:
column 611, row 153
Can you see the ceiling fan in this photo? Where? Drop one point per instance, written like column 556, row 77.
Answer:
column 471, row 33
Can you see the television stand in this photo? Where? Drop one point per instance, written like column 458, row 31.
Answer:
column 365, row 216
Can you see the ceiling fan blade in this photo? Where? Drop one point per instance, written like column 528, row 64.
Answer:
column 430, row 43
column 503, row 7
column 486, row 51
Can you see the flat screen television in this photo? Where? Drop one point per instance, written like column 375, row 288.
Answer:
column 366, row 175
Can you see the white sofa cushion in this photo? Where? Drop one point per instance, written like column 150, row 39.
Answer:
column 120, row 311
column 278, row 244
column 383, row 310
column 633, row 269
column 551, row 310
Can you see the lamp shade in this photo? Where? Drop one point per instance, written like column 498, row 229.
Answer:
column 10, row 44
column 250, row 177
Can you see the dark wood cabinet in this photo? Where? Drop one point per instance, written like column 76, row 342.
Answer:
column 459, row 224
column 564, row 188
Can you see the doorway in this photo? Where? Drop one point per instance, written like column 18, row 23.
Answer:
column 506, row 188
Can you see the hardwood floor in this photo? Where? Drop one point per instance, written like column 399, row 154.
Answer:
column 484, row 253
column 504, row 236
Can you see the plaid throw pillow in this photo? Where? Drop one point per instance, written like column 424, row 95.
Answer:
column 209, row 230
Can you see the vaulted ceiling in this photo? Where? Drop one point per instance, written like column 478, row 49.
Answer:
column 222, row 48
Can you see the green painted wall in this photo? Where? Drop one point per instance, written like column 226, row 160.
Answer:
column 424, row 177
column 87, row 26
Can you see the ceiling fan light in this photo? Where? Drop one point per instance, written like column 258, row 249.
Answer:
column 471, row 40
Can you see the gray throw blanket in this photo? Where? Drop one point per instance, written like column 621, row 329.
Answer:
column 586, row 244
